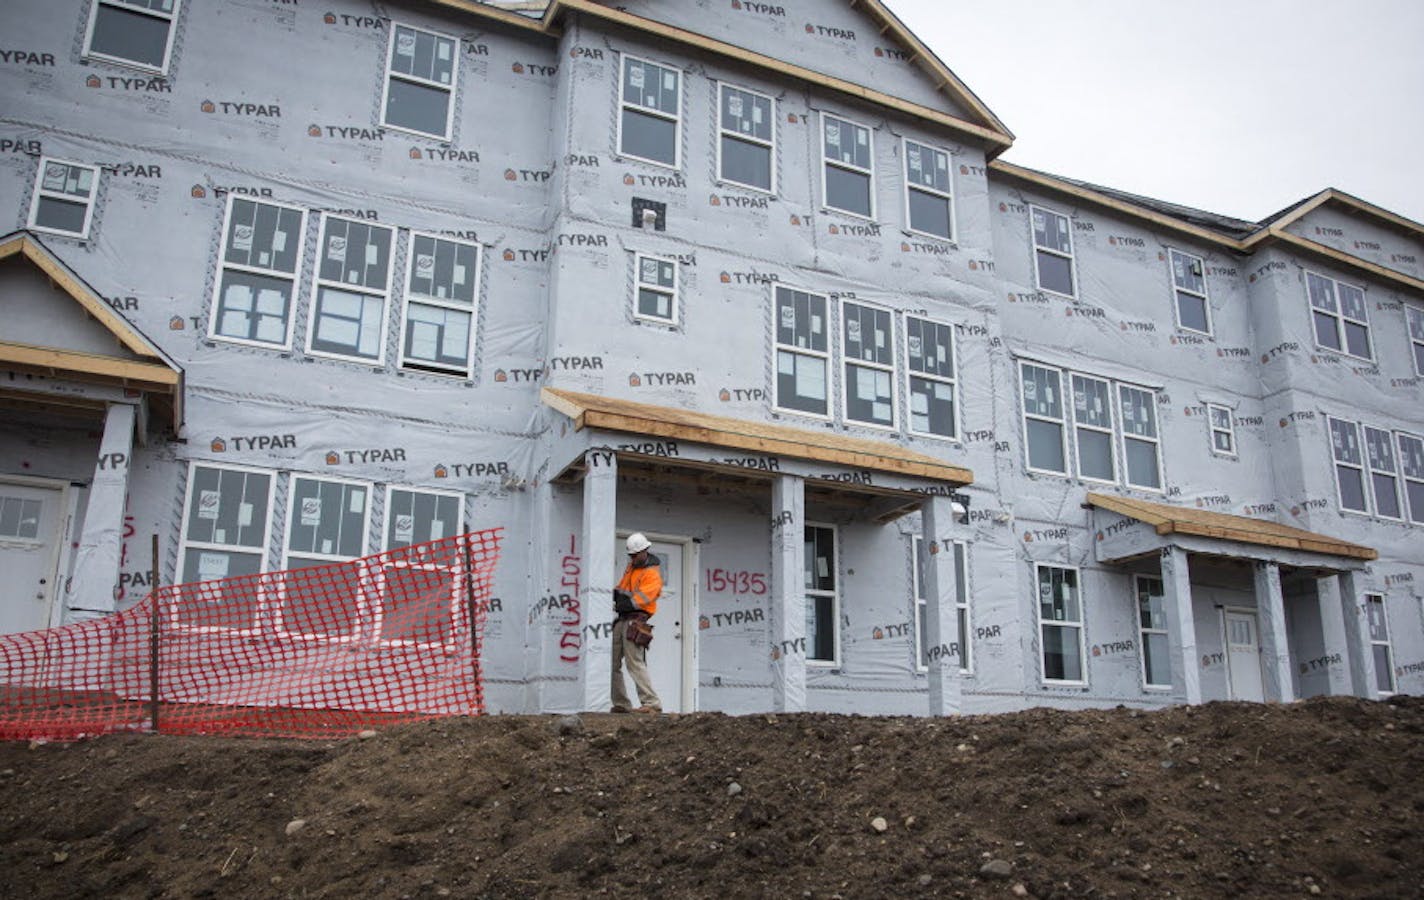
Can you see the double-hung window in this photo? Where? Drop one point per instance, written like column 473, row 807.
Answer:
column 648, row 124
column 1060, row 617
column 1338, row 309
column 1093, row 428
column 656, row 279
column 746, row 146
column 1349, row 465
column 847, row 183
column 417, row 515
column 929, row 204
column 327, row 523
column 822, row 600
column 136, row 33
column 802, row 352
column 1043, row 418
column 1152, row 628
column 1411, row 461
column 1140, row 445
column 64, row 198
column 226, row 525
column 929, row 348
column 1414, row 318
column 419, row 598
column 961, row 604
column 261, row 257
column 868, row 348
column 1223, row 433
column 1189, row 281
column 1384, row 473
column 1053, row 251
column 442, row 290
column 1379, row 643
column 353, row 281
column 421, row 70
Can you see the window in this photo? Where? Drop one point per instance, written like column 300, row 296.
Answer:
column 1411, row 459
column 136, row 33
column 420, row 82
column 442, row 289
column 1349, row 465
column 417, row 515
column 929, row 347
column 1053, row 251
column 746, row 149
column 1093, row 427
column 327, row 523
column 961, row 602
column 846, row 151
column 1060, row 616
column 415, row 599
column 1139, row 438
column 1414, row 315
column 1152, row 624
column 1340, row 324
column 64, row 198
column 226, row 515
column 353, row 279
column 648, row 126
column 822, row 606
column 929, row 205
column 1043, row 419
column 1223, row 434
column 657, row 289
column 1193, row 311
column 1379, row 643
column 869, row 353
column 802, row 352
column 1384, row 473
column 261, row 257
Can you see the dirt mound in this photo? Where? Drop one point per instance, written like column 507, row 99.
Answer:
column 1225, row 799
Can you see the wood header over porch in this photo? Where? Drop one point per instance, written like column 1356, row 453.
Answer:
column 596, row 411
column 1167, row 519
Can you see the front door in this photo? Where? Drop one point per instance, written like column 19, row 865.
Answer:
column 1243, row 656
column 669, row 656
column 31, row 524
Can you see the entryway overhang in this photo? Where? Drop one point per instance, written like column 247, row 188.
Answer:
column 889, row 480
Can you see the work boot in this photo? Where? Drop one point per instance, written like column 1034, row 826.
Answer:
column 620, row 709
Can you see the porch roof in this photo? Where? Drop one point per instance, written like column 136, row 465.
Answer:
column 612, row 414
column 1167, row 519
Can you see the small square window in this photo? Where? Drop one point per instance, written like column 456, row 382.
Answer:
column 136, row 33
column 649, row 121
column 64, row 198
column 656, row 298
column 421, row 70
column 746, row 148
column 847, row 150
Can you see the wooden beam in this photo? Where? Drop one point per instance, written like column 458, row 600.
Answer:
column 496, row 14
column 150, row 376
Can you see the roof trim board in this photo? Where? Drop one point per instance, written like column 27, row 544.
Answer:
column 596, row 411
column 1331, row 196
column 1168, row 519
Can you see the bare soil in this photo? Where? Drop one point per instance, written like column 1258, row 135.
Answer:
column 1223, row 800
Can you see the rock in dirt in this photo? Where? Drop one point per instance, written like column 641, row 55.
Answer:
column 295, row 825
column 879, row 824
column 366, row 735
column 997, row 868
column 733, row 789
column 570, row 725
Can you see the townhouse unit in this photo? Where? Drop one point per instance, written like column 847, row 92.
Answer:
column 913, row 430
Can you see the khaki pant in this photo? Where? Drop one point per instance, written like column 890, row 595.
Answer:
column 637, row 659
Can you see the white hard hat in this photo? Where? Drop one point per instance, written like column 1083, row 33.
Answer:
column 637, row 543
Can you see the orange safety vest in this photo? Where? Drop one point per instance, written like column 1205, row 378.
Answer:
column 644, row 583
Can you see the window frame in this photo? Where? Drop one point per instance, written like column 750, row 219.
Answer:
column 1080, row 625
column 723, row 134
column 673, row 320
column 1371, row 473
column 1339, row 317
column 953, row 380
column 834, row 594
column 1387, row 642
column 1415, row 516
column 414, row 364
column 1143, row 631
column 390, row 74
column 1071, row 255
column 960, row 549
column 457, row 496
column 623, row 104
column 827, row 356
column 40, row 192
column 868, row 172
column 948, row 197
column 215, row 309
column 1114, row 427
column 1062, row 421
column 1178, row 289
column 90, row 53
column 185, row 544
column 846, row 362
column 1336, row 464
column 1414, row 317
column 360, row 620
column 318, row 283
column 1213, row 430
column 1155, row 440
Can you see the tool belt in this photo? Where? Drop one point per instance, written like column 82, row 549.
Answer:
column 638, row 631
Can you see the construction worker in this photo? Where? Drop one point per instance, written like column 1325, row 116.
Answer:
column 635, row 600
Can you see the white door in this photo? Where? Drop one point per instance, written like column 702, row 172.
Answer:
column 1243, row 657
column 669, row 656
column 31, row 520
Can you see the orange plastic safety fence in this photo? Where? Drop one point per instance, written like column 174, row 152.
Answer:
column 322, row 651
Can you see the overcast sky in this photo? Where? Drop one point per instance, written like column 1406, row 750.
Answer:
column 1239, row 107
